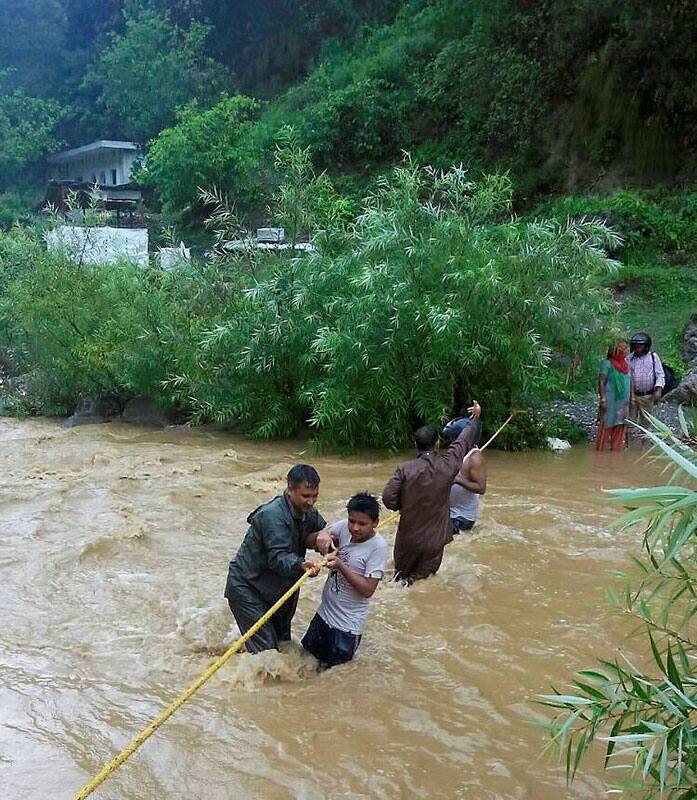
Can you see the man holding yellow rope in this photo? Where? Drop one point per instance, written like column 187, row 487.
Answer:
column 272, row 557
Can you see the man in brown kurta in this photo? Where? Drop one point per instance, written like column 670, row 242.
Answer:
column 420, row 491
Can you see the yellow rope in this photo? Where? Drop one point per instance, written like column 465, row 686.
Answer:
column 395, row 514
column 389, row 518
column 498, row 431
column 147, row 732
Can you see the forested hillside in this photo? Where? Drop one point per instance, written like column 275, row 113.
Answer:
column 564, row 94
column 481, row 183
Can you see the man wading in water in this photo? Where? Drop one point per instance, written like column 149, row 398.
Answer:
column 469, row 483
column 420, row 491
column 272, row 558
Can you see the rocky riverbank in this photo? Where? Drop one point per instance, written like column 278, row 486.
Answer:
column 583, row 412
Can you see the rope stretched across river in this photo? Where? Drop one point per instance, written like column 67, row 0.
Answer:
column 393, row 516
column 148, row 731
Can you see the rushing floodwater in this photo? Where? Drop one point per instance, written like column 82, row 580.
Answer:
column 114, row 543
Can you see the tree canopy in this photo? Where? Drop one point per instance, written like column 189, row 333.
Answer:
column 149, row 71
column 536, row 88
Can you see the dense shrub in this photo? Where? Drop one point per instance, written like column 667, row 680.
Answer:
column 206, row 148
column 430, row 295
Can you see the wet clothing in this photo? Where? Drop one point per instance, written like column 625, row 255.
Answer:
column 267, row 564
column 639, row 409
column 459, row 524
column 464, row 504
column 328, row 645
column 342, row 606
column 335, row 631
column 617, row 391
column 612, row 419
column 647, row 373
column 248, row 606
column 647, row 377
column 616, row 437
column 420, row 491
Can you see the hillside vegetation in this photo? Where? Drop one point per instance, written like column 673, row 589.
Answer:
column 545, row 127
column 566, row 95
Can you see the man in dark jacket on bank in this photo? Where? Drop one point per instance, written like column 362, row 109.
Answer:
column 420, row 491
column 271, row 558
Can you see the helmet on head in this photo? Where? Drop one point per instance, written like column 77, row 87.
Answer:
column 639, row 339
column 455, row 427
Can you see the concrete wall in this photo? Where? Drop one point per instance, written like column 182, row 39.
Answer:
column 97, row 167
column 100, row 245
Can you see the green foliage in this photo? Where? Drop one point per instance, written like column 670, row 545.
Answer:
column 657, row 280
column 526, row 431
column 149, row 71
column 206, row 148
column 531, row 88
column 27, row 132
column 268, row 45
column 389, row 315
column 563, row 427
column 33, row 45
column 19, row 206
column 441, row 298
column 668, row 222
column 432, row 296
column 306, row 202
column 78, row 330
column 643, row 710
column 535, row 88
column 500, row 93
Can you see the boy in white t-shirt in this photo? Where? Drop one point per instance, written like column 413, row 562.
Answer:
column 335, row 630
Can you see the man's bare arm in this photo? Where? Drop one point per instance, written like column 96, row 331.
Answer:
column 361, row 583
column 472, row 476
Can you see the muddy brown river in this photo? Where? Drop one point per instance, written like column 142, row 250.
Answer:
column 114, row 543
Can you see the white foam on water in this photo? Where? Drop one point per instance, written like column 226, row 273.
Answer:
column 253, row 671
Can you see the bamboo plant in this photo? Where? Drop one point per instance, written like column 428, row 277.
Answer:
column 643, row 708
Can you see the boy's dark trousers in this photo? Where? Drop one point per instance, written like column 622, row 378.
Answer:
column 328, row 645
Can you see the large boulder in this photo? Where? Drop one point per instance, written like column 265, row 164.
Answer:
column 689, row 341
column 146, row 411
column 686, row 390
column 93, row 411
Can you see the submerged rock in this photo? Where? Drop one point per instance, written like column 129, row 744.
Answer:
column 91, row 411
column 145, row 410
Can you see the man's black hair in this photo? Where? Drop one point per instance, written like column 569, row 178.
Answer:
column 364, row 503
column 425, row 438
column 303, row 473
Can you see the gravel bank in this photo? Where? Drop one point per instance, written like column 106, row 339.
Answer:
column 584, row 412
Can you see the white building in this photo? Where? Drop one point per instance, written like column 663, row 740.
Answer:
column 104, row 162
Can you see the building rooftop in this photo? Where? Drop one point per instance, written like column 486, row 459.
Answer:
column 100, row 144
